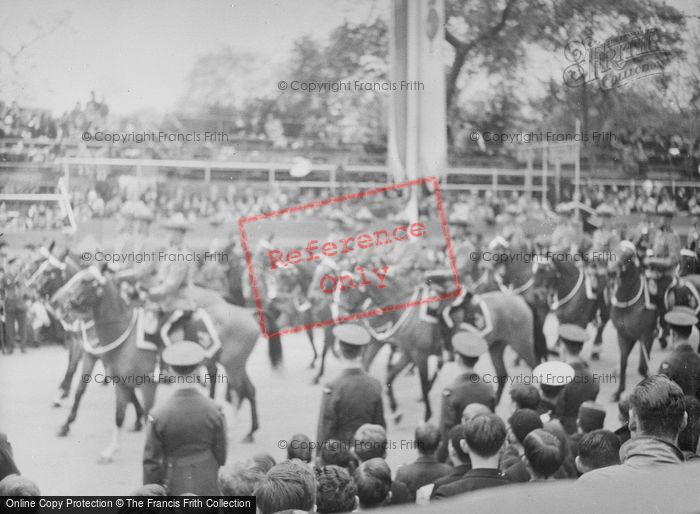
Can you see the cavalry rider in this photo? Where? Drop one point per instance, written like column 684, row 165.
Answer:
column 605, row 241
column 512, row 232
column 464, row 250
column 171, row 286
column 643, row 234
column 663, row 259
column 566, row 236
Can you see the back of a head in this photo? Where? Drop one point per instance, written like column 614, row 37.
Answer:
column 150, row 490
column 599, row 449
column 427, row 438
column 299, row 447
column 524, row 421
column 591, row 416
column 335, row 491
column 485, row 435
column 543, row 451
column 288, row 485
column 455, row 436
column 525, row 396
column 373, row 480
column 370, row 442
column 240, row 479
column 17, row 485
column 350, row 351
column 337, row 453
column 688, row 438
column 474, row 409
column 659, row 407
column 263, row 461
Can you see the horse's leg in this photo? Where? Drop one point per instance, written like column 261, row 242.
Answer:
column 371, row 352
column 440, row 364
column 139, row 410
column 425, row 384
column 310, row 334
column 123, row 396
column 249, row 393
column 598, row 341
column 75, row 353
column 398, row 367
column 211, row 376
column 328, row 340
column 645, row 345
column 625, row 348
column 496, row 350
column 86, row 375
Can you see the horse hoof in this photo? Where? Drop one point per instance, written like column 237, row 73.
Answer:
column 105, row 459
column 615, row 397
column 312, row 365
column 63, row 431
column 137, row 427
column 248, row 439
column 398, row 417
column 56, row 403
column 316, row 380
column 595, row 356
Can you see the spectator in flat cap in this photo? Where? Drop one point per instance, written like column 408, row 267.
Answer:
column 461, row 463
column 483, row 439
column 288, row 485
column 299, row 447
column 591, row 416
column 373, row 480
column 425, row 469
column 542, row 456
column 370, row 442
column 467, row 388
column 551, row 376
column 240, row 479
column 335, row 490
column 17, row 485
column 583, row 387
column 657, row 416
column 597, row 449
column 186, row 439
column 521, row 423
column 524, row 396
column 683, row 364
column 354, row 398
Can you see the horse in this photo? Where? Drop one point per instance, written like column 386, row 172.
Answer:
column 89, row 294
column 411, row 334
column 503, row 319
column 576, row 302
column 685, row 288
column 632, row 312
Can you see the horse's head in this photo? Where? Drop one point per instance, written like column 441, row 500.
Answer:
column 81, row 294
column 627, row 262
column 49, row 273
column 545, row 274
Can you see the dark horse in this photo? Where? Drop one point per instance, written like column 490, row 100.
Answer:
column 89, row 294
column 632, row 313
column 503, row 319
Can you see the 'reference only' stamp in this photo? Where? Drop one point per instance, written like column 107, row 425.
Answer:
column 381, row 252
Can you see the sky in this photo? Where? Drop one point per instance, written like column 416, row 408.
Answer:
column 137, row 54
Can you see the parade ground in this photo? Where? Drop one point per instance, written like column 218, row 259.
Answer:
column 288, row 403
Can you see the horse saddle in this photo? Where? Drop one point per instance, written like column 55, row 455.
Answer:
column 166, row 328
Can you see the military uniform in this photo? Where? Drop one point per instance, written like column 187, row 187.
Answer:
column 467, row 388
column 352, row 399
column 186, row 440
column 565, row 236
column 582, row 387
column 15, row 297
column 683, row 364
column 551, row 376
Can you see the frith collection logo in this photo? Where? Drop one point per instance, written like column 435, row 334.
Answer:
column 616, row 61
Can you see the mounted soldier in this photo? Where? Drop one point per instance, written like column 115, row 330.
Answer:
column 643, row 234
column 604, row 243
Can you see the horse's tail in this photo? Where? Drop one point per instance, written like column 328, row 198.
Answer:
column 274, row 343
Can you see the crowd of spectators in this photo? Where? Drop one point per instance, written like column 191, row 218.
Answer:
column 485, row 451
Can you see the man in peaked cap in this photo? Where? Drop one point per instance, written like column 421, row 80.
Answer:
column 551, row 376
column 467, row 388
column 644, row 232
column 186, row 440
column 683, row 365
column 591, row 416
column 354, row 398
column 583, row 387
